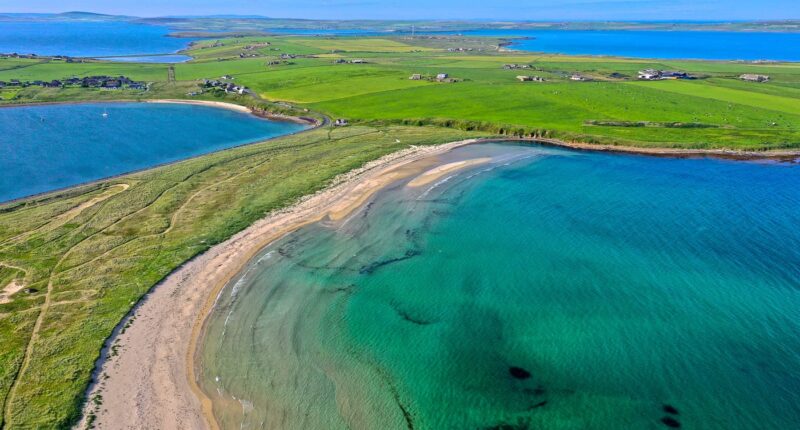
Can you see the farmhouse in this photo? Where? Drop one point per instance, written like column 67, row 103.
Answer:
column 524, row 78
column 650, row 74
column 340, row 122
column 516, row 66
column 754, row 78
column 416, row 77
column 442, row 76
column 672, row 74
column 579, row 77
column 655, row 75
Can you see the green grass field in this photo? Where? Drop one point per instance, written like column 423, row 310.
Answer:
column 733, row 114
column 91, row 252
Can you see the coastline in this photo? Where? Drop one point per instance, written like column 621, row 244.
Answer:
column 728, row 154
column 155, row 357
column 146, row 373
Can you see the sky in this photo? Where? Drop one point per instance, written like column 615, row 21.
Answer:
column 520, row 10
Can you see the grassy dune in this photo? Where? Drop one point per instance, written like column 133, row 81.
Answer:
column 91, row 252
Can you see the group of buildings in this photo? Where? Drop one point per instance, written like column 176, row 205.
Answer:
column 754, row 78
column 526, row 78
column 516, row 66
column 353, row 61
column 655, row 75
column 104, row 82
column 225, row 84
column 441, row 77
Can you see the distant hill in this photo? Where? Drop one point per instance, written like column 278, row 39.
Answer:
column 79, row 14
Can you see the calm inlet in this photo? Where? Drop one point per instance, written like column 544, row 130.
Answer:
column 546, row 289
column 47, row 147
column 91, row 39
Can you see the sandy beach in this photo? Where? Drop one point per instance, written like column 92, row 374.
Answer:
column 222, row 105
column 146, row 374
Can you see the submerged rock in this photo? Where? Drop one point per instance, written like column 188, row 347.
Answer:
column 671, row 422
column 519, row 373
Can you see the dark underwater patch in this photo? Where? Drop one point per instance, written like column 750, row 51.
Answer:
column 670, row 409
column 671, row 422
column 372, row 267
column 518, row 372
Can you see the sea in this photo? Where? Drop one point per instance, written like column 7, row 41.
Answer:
column 701, row 45
column 92, row 39
column 547, row 289
column 48, row 147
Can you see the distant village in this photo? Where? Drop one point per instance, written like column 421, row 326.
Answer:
column 36, row 57
column 103, row 82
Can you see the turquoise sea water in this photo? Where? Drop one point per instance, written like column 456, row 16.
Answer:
column 90, row 39
column 549, row 289
column 47, row 147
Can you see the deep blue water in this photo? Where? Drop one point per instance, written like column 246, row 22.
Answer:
column 708, row 45
column 88, row 39
column 48, row 147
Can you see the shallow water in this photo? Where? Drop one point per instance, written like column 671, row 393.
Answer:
column 89, row 39
column 43, row 148
column 549, row 289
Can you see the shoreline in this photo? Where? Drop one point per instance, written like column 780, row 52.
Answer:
column 176, row 309
column 146, row 373
column 725, row 154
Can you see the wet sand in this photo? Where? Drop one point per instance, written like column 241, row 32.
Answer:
column 146, row 373
column 438, row 172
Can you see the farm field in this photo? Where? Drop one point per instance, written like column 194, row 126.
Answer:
column 716, row 110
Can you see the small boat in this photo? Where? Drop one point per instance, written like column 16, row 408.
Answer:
column 105, row 114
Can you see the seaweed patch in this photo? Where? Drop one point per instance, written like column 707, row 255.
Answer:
column 518, row 372
column 372, row 267
column 670, row 422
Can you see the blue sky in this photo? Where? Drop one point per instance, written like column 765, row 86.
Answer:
column 434, row 9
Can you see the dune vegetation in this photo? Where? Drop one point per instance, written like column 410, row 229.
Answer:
column 86, row 255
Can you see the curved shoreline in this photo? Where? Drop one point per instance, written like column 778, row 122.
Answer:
column 146, row 373
column 175, row 311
